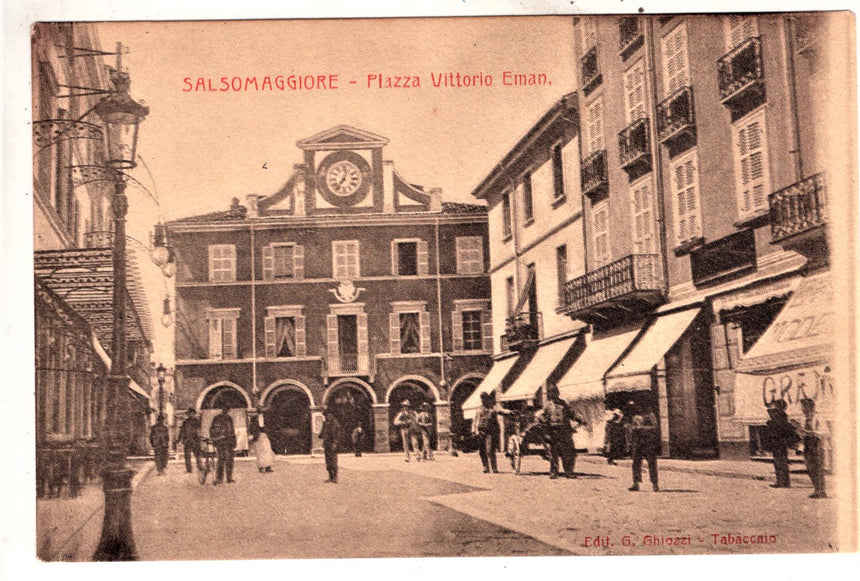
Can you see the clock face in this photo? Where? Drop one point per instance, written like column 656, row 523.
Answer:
column 343, row 178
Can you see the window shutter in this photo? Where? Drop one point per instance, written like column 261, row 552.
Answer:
column 457, row 330
column 739, row 28
column 298, row 262
column 424, row 318
column 301, row 337
column 231, row 257
column 589, row 34
column 423, row 258
column 394, row 332
column 643, row 229
column 215, row 339
column 601, row 233
column 751, row 167
column 395, row 259
column 363, row 355
column 268, row 263
column 634, row 92
column 487, row 330
column 595, row 126
column 228, row 343
column 676, row 64
column 212, row 260
column 332, row 341
column 270, row 337
column 685, row 181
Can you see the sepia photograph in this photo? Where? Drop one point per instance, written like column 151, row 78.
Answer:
column 544, row 285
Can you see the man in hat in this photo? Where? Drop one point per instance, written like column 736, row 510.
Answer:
column 644, row 444
column 425, row 426
column 189, row 435
column 223, row 434
column 557, row 418
column 777, row 437
column 814, row 434
column 159, row 438
column 330, row 435
column 486, row 427
column 407, row 420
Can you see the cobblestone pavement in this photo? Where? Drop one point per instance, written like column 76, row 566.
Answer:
column 384, row 507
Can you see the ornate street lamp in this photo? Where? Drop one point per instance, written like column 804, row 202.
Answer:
column 160, row 371
column 121, row 116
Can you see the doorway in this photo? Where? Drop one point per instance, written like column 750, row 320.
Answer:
column 287, row 418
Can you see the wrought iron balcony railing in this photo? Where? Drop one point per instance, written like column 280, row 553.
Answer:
column 594, row 174
column 629, row 34
column 634, row 144
column 521, row 330
column 676, row 115
column 100, row 239
column 798, row 208
column 633, row 274
column 740, row 72
column 589, row 69
column 349, row 364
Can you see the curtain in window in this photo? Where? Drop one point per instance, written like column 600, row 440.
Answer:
column 285, row 337
column 410, row 333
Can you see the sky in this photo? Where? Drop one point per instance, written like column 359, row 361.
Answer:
column 201, row 148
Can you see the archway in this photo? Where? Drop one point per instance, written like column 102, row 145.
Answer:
column 418, row 393
column 287, row 418
column 352, row 406
column 463, row 388
column 215, row 397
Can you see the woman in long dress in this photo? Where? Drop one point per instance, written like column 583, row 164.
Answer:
column 263, row 450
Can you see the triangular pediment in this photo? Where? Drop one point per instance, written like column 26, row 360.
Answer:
column 342, row 137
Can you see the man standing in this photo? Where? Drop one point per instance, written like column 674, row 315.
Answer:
column 223, row 434
column 779, row 435
column 644, row 443
column 159, row 438
column 358, row 440
column 407, row 421
column 189, row 435
column 813, row 449
column 330, row 434
column 425, row 425
column 557, row 418
column 486, row 426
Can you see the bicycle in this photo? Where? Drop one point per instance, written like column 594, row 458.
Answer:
column 207, row 450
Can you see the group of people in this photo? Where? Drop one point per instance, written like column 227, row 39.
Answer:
column 415, row 430
column 780, row 435
column 558, row 423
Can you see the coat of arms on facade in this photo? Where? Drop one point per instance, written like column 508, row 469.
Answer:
column 346, row 291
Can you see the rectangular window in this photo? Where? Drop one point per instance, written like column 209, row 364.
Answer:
column 738, row 28
column 506, row 215
column 222, row 333
column 600, row 229
column 751, row 165
column 510, row 295
column 410, row 333
column 409, row 257
column 634, row 92
column 409, row 327
column 471, row 330
column 283, row 261
column 284, row 255
column 222, row 263
column 685, row 197
column 588, row 29
column 676, row 63
column 561, row 270
column 643, row 221
column 594, row 126
column 528, row 201
column 345, row 261
column 557, row 172
column 470, row 255
column 285, row 332
column 472, row 325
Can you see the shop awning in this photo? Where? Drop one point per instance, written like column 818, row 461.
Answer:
column 497, row 373
column 584, row 380
column 538, row 370
column 633, row 373
column 802, row 333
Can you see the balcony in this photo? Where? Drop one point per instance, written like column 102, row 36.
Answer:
column 594, row 174
column 349, row 364
column 631, row 284
column 590, row 71
column 676, row 119
column 634, row 145
column 522, row 331
column 798, row 216
column 741, row 76
column 629, row 35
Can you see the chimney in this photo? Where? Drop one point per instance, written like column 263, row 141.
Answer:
column 252, row 200
column 435, row 199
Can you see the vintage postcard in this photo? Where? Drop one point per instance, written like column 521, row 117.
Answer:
column 491, row 286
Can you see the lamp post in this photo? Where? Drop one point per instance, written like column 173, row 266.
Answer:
column 121, row 116
column 160, row 372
